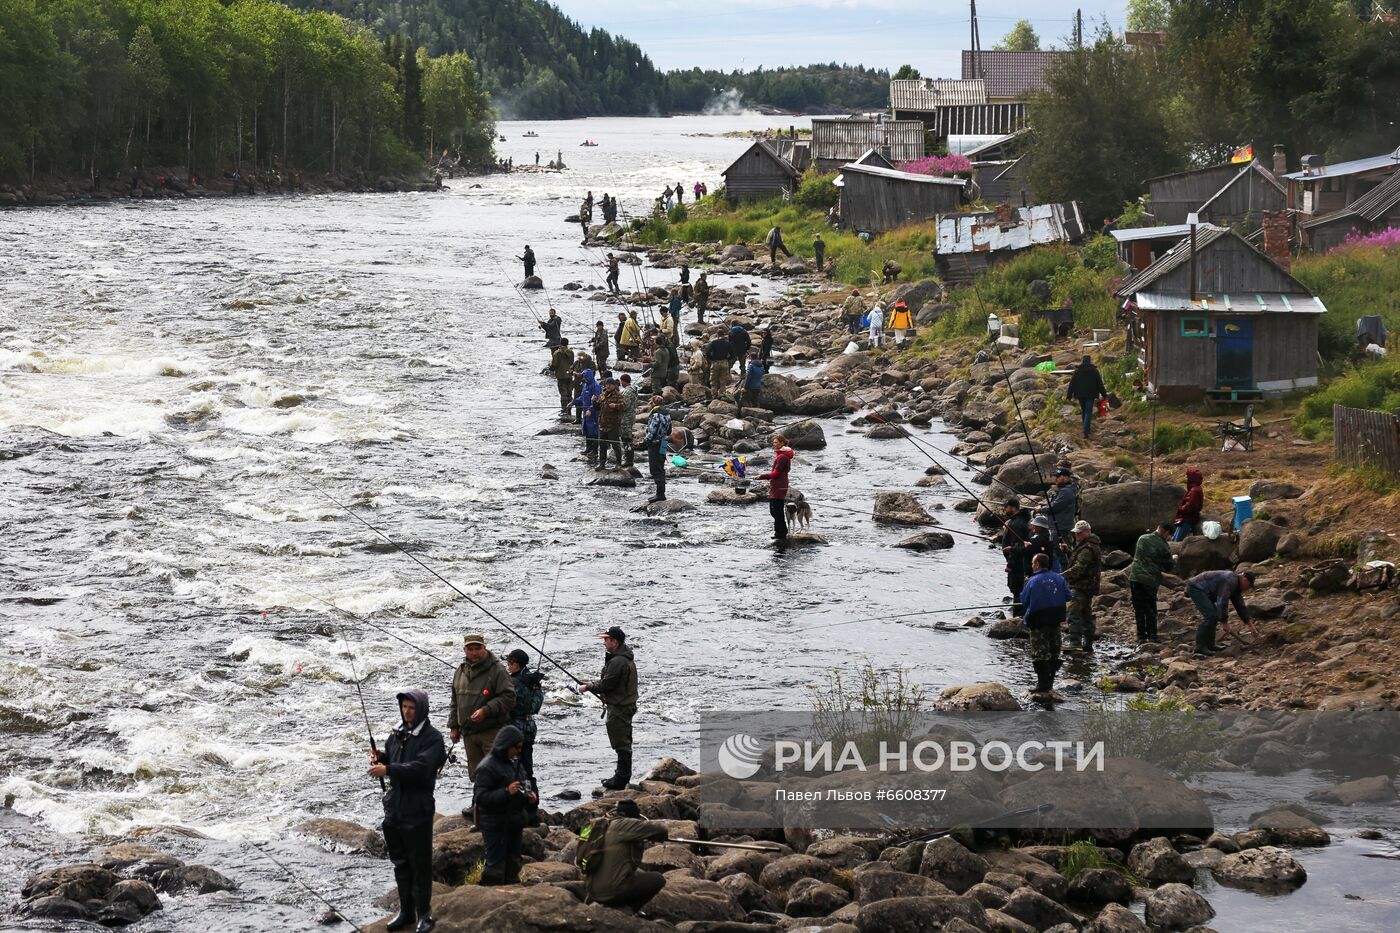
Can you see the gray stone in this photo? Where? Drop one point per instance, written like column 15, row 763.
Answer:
column 1124, row 511
column 928, row 541
column 1198, row 554
column 749, row 893
column 812, row 898
column 950, row 863
column 1176, row 907
column 804, row 435
column 1030, row 906
column 1269, row 868
column 1026, row 473
column 1262, row 490
column 73, row 882
column 1258, row 541
column 818, row 402
column 201, row 879
column 1378, row 789
column 1116, row 918
column 1100, row 886
column 780, row 874
column 919, row 914
column 900, row 508
column 1156, row 862
column 981, row 697
column 876, row 883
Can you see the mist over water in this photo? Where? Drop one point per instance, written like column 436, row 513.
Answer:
column 177, row 379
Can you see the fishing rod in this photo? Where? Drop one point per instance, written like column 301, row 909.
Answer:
column 746, row 846
column 552, row 596
column 310, row 890
column 413, row 557
column 903, row 615
column 373, row 746
column 364, row 621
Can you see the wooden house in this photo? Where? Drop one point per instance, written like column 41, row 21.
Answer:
column 1140, row 247
column 759, row 173
column 1377, row 209
column 1321, row 189
column 839, row 141
column 875, row 198
column 1225, row 195
column 1000, row 171
column 1011, row 75
column 1225, row 321
column 949, row 107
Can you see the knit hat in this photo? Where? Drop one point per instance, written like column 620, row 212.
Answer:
column 519, row 657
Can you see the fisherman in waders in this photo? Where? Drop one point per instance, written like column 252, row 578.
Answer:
column 551, row 326
column 502, row 796
column 600, row 347
column 412, row 756
column 613, row 272
column 1016, row 532
column 685, row 281
column 614, row 877
column 1045, row 597
column 482, row 700
column 657, row 436
column 529, row 261
column 529, row 700
column 616, row 686
column 561, row 364
column 702, row 297
column 1082, row 575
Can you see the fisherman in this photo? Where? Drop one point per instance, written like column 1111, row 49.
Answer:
column 561, row 365
column 668, row 323
column 1062, row 507
column 1040, row 542
column 582, row 361
column 1016, row 532
column 529, row 700
column 666, row 197
column 1082, row 575
column 775, row 243
column 674, row 305
column 613, row 273
column 819, row 250
column 617, row 336
column 739, row 345
column 699, row 190
column 660, row 362
column 550, row 326
column 600, row 347
column 765, row 348
column 702, row 296
column 529, row 260
column 685, row 282
column 853, row 309
column 778, row 485
column 482, row 700
column 614, row 878
column 610, row 405
column 501, row 797
column 900, row 321
column 1188, row 511
column 1213, row 592
column 631, row 338
column 587, row 403
column 616, row 686
column 1086, row 387
column 752, row 385
column 654, row 440
column 630, row 399
column 719, row 357
column 1044, row 596
column 1151, row 559
column 680, row 194
column 585, row 217
column 412, row 756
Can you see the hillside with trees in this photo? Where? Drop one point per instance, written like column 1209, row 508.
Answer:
column 94, row 87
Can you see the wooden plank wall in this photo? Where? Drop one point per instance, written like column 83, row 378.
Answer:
column 1361, row 437
column 875, row 204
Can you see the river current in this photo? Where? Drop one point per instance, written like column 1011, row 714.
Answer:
column 177, row 381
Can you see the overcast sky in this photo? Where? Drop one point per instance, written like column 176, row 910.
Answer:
column 745, row 34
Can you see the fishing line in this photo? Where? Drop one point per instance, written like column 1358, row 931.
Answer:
column 413, row 557
column 310, row 890
column 552, row 597
column 904, row 615
column 373, row 746
column 1030, row 445
column 364, row 621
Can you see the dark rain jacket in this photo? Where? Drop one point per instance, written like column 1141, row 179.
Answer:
column 719, row 350
column 529, row 698
column 1038, row 543
column 702, row 291
column 483, row 685
column 1064, row 502
column 1188, row 511
column 1086, row 384
column 551, row 326
column 1085, row 567
column 1222, row 587
column 739, row 342
column 414, row 755
column 1151, row 558
column 496, row 807
column 611, row 876
column 600, row 344
column 617, row 684
column 1014, row 537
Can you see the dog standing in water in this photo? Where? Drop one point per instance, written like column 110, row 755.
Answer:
column 799, row 511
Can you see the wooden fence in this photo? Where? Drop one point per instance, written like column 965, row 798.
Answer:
column 1366, row 438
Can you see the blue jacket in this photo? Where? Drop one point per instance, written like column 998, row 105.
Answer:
column 586, row 400
column 1221, row 587
column 753, row 378
column 1044, row 597
column 658, row 429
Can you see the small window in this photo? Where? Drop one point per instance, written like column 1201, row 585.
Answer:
column 1195, row 327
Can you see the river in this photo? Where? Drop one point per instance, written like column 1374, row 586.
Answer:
column 177, row 379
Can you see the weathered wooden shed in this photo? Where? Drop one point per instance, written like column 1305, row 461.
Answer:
column 838, row 141
column 875, row 199
column 950, row 107
column 1377, row 209
column 1245, row 329
column 1227, row 194
column 759, row 173
column 1321, row 189
column 1000, row 171
column 1140, row 247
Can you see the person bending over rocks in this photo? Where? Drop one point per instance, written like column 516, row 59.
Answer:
column 614, row 877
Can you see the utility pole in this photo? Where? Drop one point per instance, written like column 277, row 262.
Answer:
column 1079, row 29
column 972, row 39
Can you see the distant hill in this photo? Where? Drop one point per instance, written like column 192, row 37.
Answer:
column 538, row 63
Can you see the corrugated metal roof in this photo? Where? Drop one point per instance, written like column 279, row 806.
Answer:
column 982, row 233
column 1372, row 205
column 928, row 94
column 1014, row 75
column 1180, row 254
column 1354, row 167
column 1167, row 232
column 1253, row 303
column 902, row 176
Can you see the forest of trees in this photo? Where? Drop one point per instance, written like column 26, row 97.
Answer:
column 97, row 86
column 539, row 64
column 1317, row 76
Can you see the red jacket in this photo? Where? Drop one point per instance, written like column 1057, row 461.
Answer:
column 1189, row 509
column 778, row 476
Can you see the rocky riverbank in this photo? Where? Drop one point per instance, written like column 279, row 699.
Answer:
column 160, row 184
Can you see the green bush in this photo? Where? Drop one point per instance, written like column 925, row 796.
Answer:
column 1371, row 385
column 1352, row 281
column 678, row 214
column 816, row 192
column 1100, row 253
column 1173, row 437
column 1037, row 333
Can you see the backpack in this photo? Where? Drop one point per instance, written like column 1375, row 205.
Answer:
column 590, row 845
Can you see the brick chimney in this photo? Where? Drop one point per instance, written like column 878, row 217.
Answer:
column 1280, row 160
column 1276, row 235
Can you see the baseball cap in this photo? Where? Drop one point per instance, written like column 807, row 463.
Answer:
column 614, row 633
column 474, row 638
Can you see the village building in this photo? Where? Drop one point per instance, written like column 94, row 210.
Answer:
column 950, row 107
column 761, row 172
column 1140, row 247
column 1321, row 189
column 968, row 244
column 999, row 170
column 1224, row 321
column 1376, row 210
column 876, row 197
column 840, row 141
column 1230, row 194
column 1011, row 76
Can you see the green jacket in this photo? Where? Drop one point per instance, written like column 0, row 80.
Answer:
column 622, row 853
column 1085, row 566
column 660, row 368
column 561, row 363
column 617, row 684
column 483, row 685
column 1151, row 558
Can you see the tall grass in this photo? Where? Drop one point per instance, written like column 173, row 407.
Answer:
column 1370, row 385
column 1352, row 281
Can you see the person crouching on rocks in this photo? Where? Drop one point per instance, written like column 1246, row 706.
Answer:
column 614, row 879
column 502, row 797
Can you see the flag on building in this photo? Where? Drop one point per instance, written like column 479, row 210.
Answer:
column 1244, row 154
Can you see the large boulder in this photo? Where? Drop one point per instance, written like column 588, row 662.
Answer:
column 780, row 874
column 1030, row 906
column 1258, row 541
column 812, row 898
column 777, row 393
column 952, row 864
column 804, row 435
column 1014, row 446
column 900, row 508
column 344, row 836
column 818, row 402
column 919, row 914
column 1267, row 868
column 1177, row 907
column 1262, row 490
column 846, row 364
column 928, row 541
column 1100, row 886
column 879, row 884
column 1156, row 862
column 71, row 882
column 1378, row 789
column 1122, row 512
column 736, row 252
column 689, row 898
column 1026, row 473
column 989, row 697
column 1198, row 554
column 916, row 295
column 533, row 282
column 1115, row 918
column 455, row 852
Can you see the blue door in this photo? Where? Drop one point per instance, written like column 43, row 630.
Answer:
column 1234, row 353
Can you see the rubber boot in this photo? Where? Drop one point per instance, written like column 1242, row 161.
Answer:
column 1042, row 676
column 425, row 924
column 407, row 914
